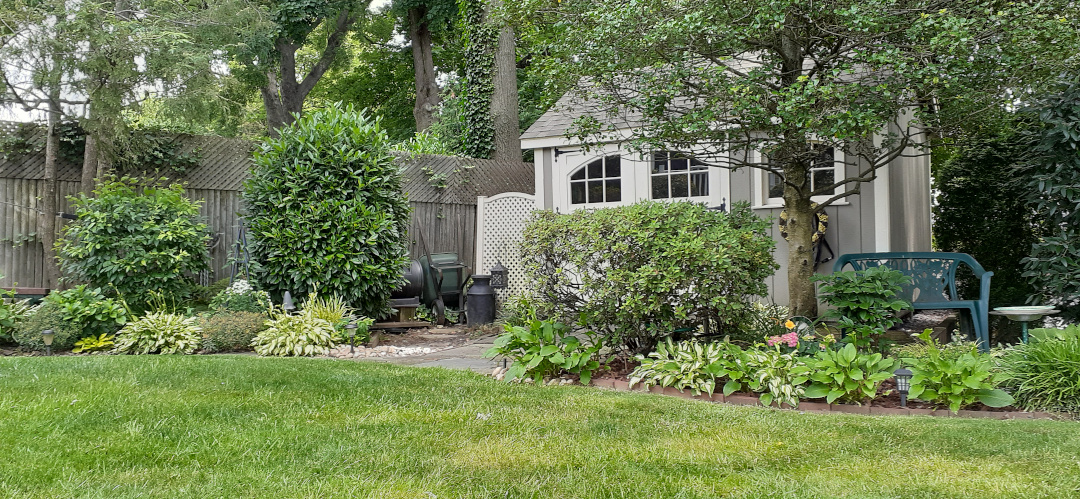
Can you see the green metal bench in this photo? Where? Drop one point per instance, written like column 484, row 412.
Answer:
column 933, row 283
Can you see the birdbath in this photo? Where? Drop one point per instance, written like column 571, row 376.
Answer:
column 1024, row 314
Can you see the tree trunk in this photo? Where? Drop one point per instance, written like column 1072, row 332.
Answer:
column 801, row 223
column 427, row 90
column 47, row 225
column 504, row 99
column 90, row 165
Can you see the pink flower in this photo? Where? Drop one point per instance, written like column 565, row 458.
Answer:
column 772, row 340
column 791, row 338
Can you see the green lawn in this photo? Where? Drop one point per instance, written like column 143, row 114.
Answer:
column 240, row 426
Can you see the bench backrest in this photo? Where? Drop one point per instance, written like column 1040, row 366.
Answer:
column 933, row 274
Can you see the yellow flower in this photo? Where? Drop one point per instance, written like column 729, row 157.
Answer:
column 789, row 324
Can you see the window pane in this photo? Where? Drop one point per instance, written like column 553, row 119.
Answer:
column 659, row 186
column 578, row 175
column 679, row 164
column 824, row 159
column 596, row 191
column 680, row 186
column 659, row 165
column 614, row 190
column 596, row 169
column 699, row 184
column 613, row 166
column 824, row 178
column 577, row 192
column 776, row 186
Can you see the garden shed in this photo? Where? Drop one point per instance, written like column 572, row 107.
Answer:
column 442, row 191
column 892, row 214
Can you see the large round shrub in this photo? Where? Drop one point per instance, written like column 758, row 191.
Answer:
column 137, row 239
column 326, row 210
column 48, row 315
column 637, row 273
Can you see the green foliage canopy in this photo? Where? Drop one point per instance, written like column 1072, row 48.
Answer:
column 326, row 210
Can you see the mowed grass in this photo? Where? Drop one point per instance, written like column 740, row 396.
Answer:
column 241, row 426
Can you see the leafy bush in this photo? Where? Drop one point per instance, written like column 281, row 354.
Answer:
column 518, row 310
column 240, row 296
column 230, row 331
column 98, row 343
column 686, row 364
column 47, row 315
column 326, row 210
column 134, row 237
column 847, row 375
column 636, row 273
column 1044, row 375
column 954, row 383
column 300, row 334
column 159, row 332
column 546, row 349
column 1053, row 267
column 865, row 301
column 12, row 311
column 779, row 377
column 90, row 310
column 921, row 350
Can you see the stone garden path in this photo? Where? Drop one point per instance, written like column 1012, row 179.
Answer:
column 449, row 348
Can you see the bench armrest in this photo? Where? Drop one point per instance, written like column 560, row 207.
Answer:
column 984, row 288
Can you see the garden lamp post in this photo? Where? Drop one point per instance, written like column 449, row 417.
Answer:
column 903, row 384
column 287, row 304
column 47, row 338
column 351, row 329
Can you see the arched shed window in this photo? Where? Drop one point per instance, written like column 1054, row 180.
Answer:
column 676, row 176
column 597, row 182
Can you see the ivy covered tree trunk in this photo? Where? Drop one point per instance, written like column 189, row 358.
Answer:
column 478, row 131
column 427, row 90
column 504, row 98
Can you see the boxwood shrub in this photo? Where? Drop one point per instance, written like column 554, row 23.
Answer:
column 637, row 273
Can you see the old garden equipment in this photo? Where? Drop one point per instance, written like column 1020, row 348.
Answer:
column 404, row 301
column 480, row 305
column 241, row 258
column 444, row 276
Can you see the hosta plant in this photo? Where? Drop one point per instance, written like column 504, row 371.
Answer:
column 94, row 343
column 779, row 377
column 954, row 383
column 546, row 348
column 847, row 375
column 11, row 312
column 294, row 335
column 686, row 364
column 159, row 332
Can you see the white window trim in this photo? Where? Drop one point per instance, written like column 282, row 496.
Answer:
column 649, row 158
column 585, row 164
column 759, row 180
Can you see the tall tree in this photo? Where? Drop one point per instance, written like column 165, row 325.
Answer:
column 425, row 19
column 504, row 99
column 770, row 84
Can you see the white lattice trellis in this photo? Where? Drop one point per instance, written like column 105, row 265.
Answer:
column 500, row 221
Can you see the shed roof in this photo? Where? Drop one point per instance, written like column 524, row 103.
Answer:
column 578, row 103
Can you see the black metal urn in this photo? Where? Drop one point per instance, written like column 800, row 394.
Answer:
column 481, row 300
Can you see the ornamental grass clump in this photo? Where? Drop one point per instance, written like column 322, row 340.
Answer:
column 1044, row 374
column 159, row 332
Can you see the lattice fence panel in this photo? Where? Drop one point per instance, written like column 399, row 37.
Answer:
column 500, row 221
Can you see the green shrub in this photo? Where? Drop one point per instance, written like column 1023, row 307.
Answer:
column 135, row 238
column 90, row 310
column 159, row 332
column 12, row 312
column 326, row 210
column 230, row 331
column 98, row 343
column 686, row 364
column 637, row 273
column 330, row 309
column 954, row 383
column 1044, row 375
column 546, row 349
column 240, row 296
column 866, row 302
column 847, row 375
column 298, row 335
column 920, row 350
column 47, row 315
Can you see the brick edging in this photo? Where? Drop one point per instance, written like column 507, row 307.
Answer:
column 821, row 407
